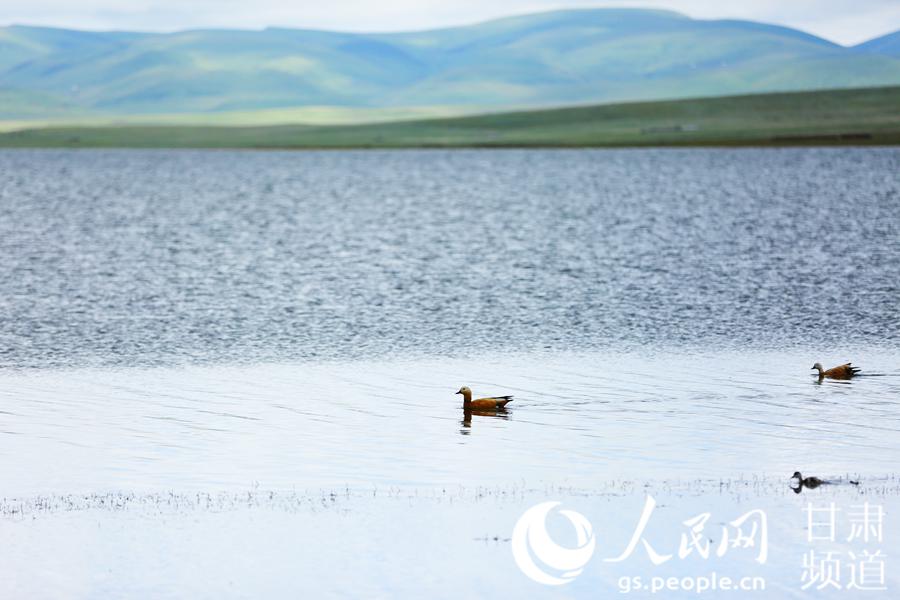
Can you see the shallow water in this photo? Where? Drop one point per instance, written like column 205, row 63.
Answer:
column 579, row 419
column 442, row 543
column 232, row 373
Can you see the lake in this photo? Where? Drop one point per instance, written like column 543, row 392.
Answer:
column 232, row 374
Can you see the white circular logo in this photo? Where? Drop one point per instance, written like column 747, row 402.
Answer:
column 530, row 538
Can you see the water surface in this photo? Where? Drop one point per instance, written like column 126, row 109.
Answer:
column 163, row 257
column 226, row 374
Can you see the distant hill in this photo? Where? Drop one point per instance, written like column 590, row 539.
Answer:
column 888, row 45
column 555, row 58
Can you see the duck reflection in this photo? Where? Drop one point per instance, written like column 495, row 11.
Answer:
column 821, row 380
column 500, row 413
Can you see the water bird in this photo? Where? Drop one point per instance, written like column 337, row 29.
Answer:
column 798, row 481
column 839, row 372
column 494, row 403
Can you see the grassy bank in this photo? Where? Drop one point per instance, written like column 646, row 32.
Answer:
column 297, row 115
column 855, row 116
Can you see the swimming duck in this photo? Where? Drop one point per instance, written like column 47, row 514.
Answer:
column 497, row 402
column 797, row 480
column 839, row 372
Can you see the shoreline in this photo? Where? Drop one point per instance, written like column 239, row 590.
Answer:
column 847, row 117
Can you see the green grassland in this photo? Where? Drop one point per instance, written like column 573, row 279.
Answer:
column 855, row 116
column 299, row 115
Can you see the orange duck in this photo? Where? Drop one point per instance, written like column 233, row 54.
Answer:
column 839, row 372
column 494, row 403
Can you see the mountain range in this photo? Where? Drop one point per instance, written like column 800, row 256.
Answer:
column 544, row 59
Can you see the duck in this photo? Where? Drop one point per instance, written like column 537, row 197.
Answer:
column 494, row 403
column 798, row 481
column 839, row 372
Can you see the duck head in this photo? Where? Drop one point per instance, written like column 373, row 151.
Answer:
column 466, row 394
column 818, row 367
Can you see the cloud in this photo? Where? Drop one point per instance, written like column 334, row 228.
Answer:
column 844, row 21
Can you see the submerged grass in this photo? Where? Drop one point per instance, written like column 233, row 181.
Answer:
column 347, row 497
column 849, row 116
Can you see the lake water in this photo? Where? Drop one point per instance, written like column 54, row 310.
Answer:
column 232, row 374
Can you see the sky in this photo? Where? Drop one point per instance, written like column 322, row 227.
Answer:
column 844, row 21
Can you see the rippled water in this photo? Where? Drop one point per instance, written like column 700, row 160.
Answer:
column 208, row 359
column 127, row 257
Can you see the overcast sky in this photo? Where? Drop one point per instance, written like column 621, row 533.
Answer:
column 843, row 21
